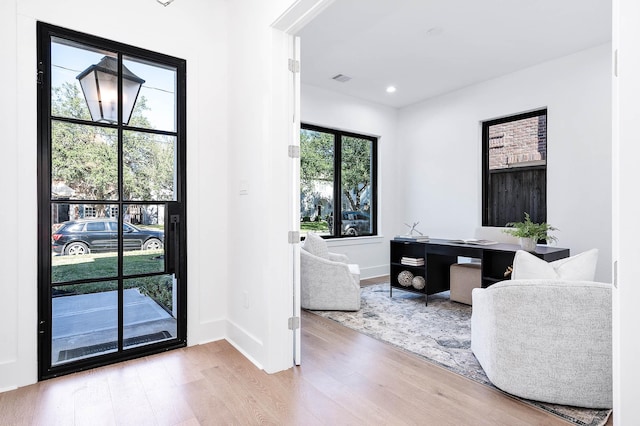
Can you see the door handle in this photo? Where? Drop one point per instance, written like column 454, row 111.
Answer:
column 172, row 240
column 174, row 223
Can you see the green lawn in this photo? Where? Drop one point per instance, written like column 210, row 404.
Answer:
column 321, row 226
column 104, row 265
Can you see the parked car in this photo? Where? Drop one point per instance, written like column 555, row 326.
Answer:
column 355, row 223
column 100, row 235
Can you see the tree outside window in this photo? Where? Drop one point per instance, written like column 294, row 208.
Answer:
column 337, row 166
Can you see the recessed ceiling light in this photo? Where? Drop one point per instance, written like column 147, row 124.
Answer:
column 391, row 89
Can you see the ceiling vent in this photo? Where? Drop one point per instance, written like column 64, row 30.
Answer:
column 341, row 78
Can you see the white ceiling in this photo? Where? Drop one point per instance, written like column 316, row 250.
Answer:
column 428, row 47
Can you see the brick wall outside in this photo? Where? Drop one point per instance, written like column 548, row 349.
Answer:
column 517, row 142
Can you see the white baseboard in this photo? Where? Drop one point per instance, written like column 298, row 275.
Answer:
column 14, row 375
column 374, row 271
column 7, row 389
column 207, row 331
column 244, row 342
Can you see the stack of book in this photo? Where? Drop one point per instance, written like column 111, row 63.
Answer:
column 412, row 261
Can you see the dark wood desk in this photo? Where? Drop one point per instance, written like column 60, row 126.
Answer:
column 439, row 255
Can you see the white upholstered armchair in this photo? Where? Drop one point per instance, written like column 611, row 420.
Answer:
column 327, row 280
column 546, row 339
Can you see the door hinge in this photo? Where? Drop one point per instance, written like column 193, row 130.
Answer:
column 294, row 237
column 294, row 151
column 294, row 323
column 40, row 74
column 294, row 65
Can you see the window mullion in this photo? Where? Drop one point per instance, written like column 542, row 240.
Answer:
column 120, row 207
column 337, row 184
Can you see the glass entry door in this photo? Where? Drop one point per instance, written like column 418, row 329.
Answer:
column 111, row 202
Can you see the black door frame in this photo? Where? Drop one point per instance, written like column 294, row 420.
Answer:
column 176, row 211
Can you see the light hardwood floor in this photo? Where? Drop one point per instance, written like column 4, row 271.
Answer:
column 345, row 378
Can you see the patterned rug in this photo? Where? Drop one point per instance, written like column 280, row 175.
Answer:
column 439, row 332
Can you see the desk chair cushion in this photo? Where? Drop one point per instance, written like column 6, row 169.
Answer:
column 581, row 267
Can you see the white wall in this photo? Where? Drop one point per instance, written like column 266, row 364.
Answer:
column 441, row 144
column 626, row 210
column 259, row 297
column 13, row 373
column 194, row 30
column 330, row 109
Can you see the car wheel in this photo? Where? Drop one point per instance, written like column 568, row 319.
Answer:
column 76, row 249
column 352, row 232
column 152, row 244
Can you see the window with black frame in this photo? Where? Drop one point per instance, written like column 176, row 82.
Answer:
column 337, row 182
column 515, row 168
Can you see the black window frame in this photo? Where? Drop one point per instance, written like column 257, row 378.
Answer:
column 539, row 216
column 45, row 33
column 337, row 179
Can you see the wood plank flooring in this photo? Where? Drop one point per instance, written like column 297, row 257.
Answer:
column 345, row 378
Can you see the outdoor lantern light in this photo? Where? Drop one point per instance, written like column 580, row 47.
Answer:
column 99, row 84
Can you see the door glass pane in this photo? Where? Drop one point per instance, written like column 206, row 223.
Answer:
column 316, row 182
column 155, row 107
column 356, row 186
column 83, row 244
column 68, row 61
column 150, row 310
column 143, row 239
column 84, row 321
column 83, row 162
column 149, row 162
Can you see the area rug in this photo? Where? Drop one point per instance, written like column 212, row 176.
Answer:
column 439, row 332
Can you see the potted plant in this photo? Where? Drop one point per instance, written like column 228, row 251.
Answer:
column 530, row 232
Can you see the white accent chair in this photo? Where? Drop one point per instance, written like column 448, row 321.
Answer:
column 546, row 339
column 327, row 281
column 465, row 276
